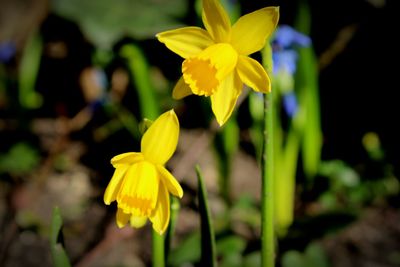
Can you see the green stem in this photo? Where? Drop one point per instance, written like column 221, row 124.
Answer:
column 267, row 193
column 158, row 250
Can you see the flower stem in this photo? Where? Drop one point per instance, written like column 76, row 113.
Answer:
column 158, row 250
column 267, row 193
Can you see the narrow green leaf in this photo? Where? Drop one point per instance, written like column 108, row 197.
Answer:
column 60, row 258
column 139, row 69
column 226, row 144
column 28, row 71
column 175, row 206
column 208, row 247
column 307, row 84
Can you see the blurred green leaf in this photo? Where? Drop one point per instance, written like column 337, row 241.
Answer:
column 252, row 260
column 208, row 247
column 28, row 71
column 230, row 245
column 175, row 207
column 314, row 256
column 188, row 251
column 137, row 63
column 60, row 258
column 19, row 160
column 293, row 258
column 105, row 22
column 306, row 81
column 226, row 144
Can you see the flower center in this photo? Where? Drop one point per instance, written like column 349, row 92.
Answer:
column 204, row 72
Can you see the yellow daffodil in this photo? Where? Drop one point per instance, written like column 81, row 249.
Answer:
column 217, row 61
column 141, row 184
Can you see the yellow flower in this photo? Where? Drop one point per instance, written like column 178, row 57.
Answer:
column 141, row 184
column 217, row 61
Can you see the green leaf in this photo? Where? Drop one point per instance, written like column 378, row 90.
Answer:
column 208, row 247
column 105, row 22
column 175, row 206
column 139, row 68
column 231, row 245
column 293, row 259
column 20, row 159
column 187, row 252
column 226, row 144
column 58, row 253
column 316, row 256
column 28, row 71
column 252, row 260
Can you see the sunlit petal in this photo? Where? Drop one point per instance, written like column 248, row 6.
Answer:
column 224, row 99
column 253, row 74
column 115, row 184
column 126, row 158
column 216, row 21
column 122, row 218
column 170, row 182
column 160, row 140
column 139, row 189
column 186, row 42
column 137, row 222
column 181, row 89
column 251, row 31
column 160, row 217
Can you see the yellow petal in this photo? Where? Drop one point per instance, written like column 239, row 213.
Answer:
column 126, row 158
column 181, row 89
column 216, row 21
column 170, row 182
column 186, row 42
column 115, row 184
column 224, row 99
column 122, row 218
column 160, row 140
column 160, row 217
column 204, row 72
column 138, row 222
column 250, row 32
column 253, row 74
column 139, row 189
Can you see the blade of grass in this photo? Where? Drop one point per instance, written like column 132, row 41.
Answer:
column 208, row 247
column 60, row 258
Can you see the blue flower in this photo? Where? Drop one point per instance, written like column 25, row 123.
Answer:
column 7, row 51
column 284, row 57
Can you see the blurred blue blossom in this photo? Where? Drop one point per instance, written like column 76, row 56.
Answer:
column 284, row 57
column 7, row 51
column 290, row 104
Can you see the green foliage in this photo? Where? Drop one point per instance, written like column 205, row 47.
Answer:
column 226, row 144
column 188, row 251
column 208, row 247
column 28, row 71
column 60, row 258
column 105, row 22
column 20, row 159
column 313, row 256
column 139, row 69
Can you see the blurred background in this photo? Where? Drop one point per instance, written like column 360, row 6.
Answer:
column 78, row 77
